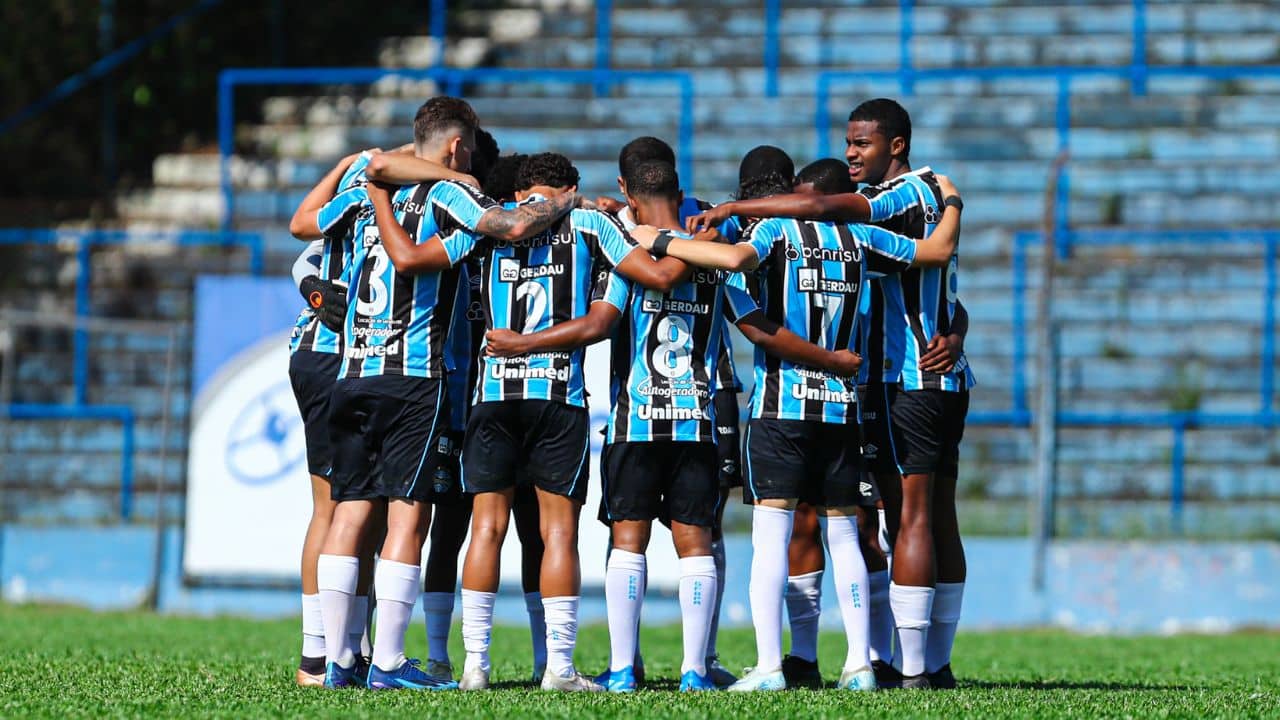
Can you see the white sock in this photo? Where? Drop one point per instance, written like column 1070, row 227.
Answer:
column 437, row 611
column 697, row 609
column 849, row 571
column 562, row 632
column 336, row 575
column 804, row 608
column 942, row 627
column 537, row 627
column 717, row 554
column 357, row 624
column 911, row 609
column 882, row 536
column 396, row 585
column 624, row 579
column 881, row 617
column 312, row 627
column 770, row 534
column 477, row 626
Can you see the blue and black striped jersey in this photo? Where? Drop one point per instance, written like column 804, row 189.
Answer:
column 399, row 324
column 812, row 277
column 464, row 345
column 308, row 332
column 726, row 377
column 665, row 349
column 912, row 307
column 535, row 283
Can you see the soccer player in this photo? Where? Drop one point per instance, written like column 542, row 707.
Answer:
column 659, row 459
column 387, row 408
column 316, row 348
column 923, row 357
column 802, row 441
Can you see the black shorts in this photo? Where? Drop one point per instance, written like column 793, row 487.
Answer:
column 928, row 426
column 728, row 439
column 818, row 463
column 312, row 375
column 663, row 479
column 386, row 435
column 515, row 442
column 879, row 449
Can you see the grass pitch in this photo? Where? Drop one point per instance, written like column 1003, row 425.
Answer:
column 60, row 662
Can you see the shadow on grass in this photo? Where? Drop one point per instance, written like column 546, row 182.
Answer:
column 1067, row 685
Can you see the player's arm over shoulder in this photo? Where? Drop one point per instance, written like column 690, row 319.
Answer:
column 521, row 221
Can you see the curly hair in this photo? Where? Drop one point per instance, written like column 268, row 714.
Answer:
column 550, row 169
column 500, row 183
column 653, row 179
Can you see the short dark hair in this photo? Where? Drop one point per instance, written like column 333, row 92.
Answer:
column 653, row 179
column 892, row 119
column 828, row 175
column 486, row 154
column 644, row 149
column 442, row 114
column 550, row 169
column 764, row 159
column 770, row 183
column 500, row 183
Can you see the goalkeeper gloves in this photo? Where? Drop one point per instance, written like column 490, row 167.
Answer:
column 327, row 299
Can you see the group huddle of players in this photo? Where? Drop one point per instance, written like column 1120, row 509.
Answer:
column 439, row 363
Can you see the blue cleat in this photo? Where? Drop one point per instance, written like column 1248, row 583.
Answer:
column 618, row 681
column 336, row 676
column 693, row 682
column 409, row 676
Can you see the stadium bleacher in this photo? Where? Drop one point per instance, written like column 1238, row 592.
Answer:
column 1147, row 328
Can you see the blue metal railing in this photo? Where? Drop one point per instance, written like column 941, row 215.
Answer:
column 120, row 413
column 1062, row 76
column 439, row 28
column 453, row 79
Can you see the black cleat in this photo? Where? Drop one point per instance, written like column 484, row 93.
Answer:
column 887, row 676
column 942, row 679
column 915, row 682
column 801, row 673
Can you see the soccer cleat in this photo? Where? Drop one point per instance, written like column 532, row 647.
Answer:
column 618, row 681
column 638, row 667
column 576, row 682
column 760, row 680
column 408, row 676
column 693, row 682
column 719, row 674
column 863, row 679
column 887, row 676
column 306, row 679
column 441, row 670
column 801, row 673
column 915, row 682
column 477, row 678
column 336, row 676
column 361, row 670
column 942, row 679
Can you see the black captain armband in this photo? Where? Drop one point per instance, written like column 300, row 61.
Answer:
column 953, row 201
column 661, row 243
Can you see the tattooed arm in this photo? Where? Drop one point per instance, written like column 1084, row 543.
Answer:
column 525, row 220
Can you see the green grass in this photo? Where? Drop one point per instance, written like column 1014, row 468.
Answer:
column 60, row 662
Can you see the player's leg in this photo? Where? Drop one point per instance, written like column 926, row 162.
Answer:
column 915, row 417
column 361, row 617
column 691, row 499
column 312, row 376
column 528, row 529
column 630, row 473
column 843, row 494
column 557, row 443
column 881, row 461
column 805, row 566
column 775, row 471
column 949, row 548
column 440, row 581
column 411, row 421
column 490, row 458
column 729, row 449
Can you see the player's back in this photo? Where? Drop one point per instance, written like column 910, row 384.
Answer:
column 536, row 283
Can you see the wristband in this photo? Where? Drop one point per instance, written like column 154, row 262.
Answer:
column 660, row 244
column 953, row 201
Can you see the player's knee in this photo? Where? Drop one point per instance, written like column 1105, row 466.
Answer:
column 557, row 536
